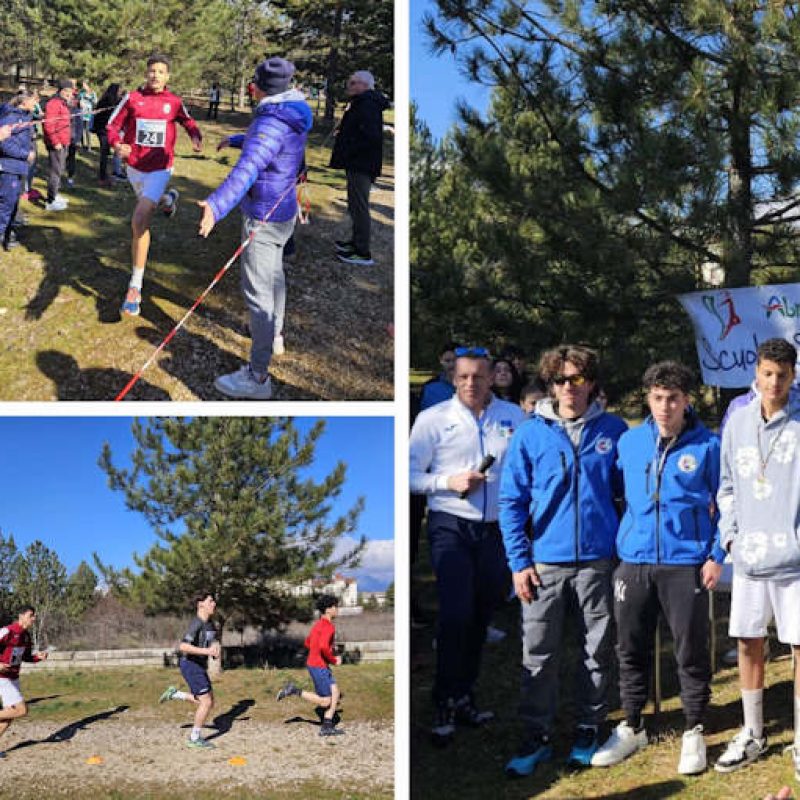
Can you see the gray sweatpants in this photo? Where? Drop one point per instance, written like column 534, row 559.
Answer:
column 584, row 590
column 358, row 187
column 264, row 285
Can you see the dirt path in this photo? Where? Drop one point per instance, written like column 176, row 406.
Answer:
column 141, row 758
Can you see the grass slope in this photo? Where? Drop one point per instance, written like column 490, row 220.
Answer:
column 60, row 293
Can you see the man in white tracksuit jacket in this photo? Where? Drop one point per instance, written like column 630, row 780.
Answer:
column 448, row 443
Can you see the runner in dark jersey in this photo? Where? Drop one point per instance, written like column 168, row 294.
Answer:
column 197, row 645
column 15, row 647
column 142, row 130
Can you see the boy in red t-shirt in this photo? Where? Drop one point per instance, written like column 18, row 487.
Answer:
column 320, row 644
column 15, row 647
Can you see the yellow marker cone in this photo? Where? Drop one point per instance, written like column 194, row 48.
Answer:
column 237, row 761
column 94, row 760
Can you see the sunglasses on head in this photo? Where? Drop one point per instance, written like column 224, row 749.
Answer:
column 573, row 380
column 476, row 352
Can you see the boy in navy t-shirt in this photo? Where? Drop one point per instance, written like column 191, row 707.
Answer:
column 197, row 645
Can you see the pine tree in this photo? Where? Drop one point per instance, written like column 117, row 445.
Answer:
column 234, row 514
column 683, row 116
column 80, row 594
column 41, row 580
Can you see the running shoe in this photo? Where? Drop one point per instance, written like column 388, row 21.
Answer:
column 467, row 714
column 171, row 206
column 624, row 741
column 59, row 204
column 743, row 750
column 243, row 385
column 200, row 744
column 693, row 752
column 532, row 753
column 167, row 694
column 584, row 745
column 358, row 259
column 329, row 729
column 133, row 302
column 287, row 690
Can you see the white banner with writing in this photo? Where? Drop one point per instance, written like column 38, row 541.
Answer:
column 729, row 325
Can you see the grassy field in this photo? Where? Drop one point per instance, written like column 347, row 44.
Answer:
column 101, row 733
column 60, row 292
column 471, row 768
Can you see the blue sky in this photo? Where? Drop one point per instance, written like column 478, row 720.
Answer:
column 435, row 81
column 52, row 489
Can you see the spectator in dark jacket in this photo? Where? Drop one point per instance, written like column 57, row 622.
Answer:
column 263, row 181
column 358, row 150
column 16, row 154
column 108, row 102
column 57, row 138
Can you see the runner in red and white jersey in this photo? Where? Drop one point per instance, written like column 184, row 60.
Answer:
column 15, row 647
column 142, row 130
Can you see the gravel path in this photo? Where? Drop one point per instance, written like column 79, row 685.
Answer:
column 145, row 759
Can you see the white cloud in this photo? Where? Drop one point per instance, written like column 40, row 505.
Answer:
column 377, row 560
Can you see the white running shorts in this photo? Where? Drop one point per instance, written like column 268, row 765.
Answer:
column 149, row 184
column 10, row 694
column 755, row 603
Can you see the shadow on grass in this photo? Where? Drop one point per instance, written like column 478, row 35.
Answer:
column 34, row 700
column 85, row 251
column 69, row 731
column 224, row 722
column 653, row 791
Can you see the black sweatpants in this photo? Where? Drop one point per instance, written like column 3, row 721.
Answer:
column 640, row 590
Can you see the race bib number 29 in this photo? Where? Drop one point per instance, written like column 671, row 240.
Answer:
column 151, row 132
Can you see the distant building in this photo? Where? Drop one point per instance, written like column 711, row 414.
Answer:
column 345, row 589
column 373, row 598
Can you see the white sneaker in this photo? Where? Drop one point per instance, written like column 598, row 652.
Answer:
column 794, row 749
column 278, row 347
column 62, row 199
column 243, row 386
column 623, row 742
column 743, row 750
column 57, row 205
column 693, row 752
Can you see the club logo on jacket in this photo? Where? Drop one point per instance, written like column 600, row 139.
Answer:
column 167, row 108
column 687, row 463
column 506, row 428
column 604, row 445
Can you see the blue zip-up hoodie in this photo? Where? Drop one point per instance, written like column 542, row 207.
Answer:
column 273, row 151
column 14, row 151
column 567, row 492
column 669, row 494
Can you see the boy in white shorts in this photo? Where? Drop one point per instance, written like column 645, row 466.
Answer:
column 759, row 503
column 15, row 647
column 142, row 130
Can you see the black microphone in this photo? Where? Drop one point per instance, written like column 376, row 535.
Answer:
column 483, row 468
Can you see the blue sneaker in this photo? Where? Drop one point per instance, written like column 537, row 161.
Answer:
column 532, row 753
column 133, row 302
column 584, row 746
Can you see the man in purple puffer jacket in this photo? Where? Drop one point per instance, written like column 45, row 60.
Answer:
column 263, row 181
